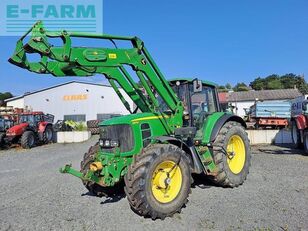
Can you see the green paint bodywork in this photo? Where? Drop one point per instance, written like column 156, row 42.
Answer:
column 67, row 60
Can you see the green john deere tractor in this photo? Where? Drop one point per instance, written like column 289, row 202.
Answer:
column 175, row 129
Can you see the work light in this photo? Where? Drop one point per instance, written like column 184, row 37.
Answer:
column 107, row 143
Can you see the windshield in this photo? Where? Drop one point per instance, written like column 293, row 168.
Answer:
column 26, row 119
column 180, row 91
column 201, row 102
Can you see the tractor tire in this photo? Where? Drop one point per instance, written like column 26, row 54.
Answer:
column 2, row 142
column 28, row 140
column 306, row 143
column 92, row 123
column 94, row 131
column 149, row 189
column 94, row 188
column 231, row 153
column 48, row 134
column 296, row 137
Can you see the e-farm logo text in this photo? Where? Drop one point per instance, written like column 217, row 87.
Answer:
column 17, row 16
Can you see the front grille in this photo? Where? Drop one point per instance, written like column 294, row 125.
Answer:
column 122, row 132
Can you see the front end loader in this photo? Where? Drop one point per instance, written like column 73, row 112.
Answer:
column 176, row 129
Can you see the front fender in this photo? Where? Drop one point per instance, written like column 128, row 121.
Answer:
column 197, row 166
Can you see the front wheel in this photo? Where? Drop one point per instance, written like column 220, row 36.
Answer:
column 95, row 189
column 231, row 152
column 2, row 136
column 158, row 181
column 306, row 142
column 296, row 138
column 28, row 139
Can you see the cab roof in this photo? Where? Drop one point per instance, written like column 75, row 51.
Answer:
column 205, row 82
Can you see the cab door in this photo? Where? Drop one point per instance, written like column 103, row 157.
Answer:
column 203, row 103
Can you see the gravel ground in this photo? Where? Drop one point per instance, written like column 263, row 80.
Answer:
column 35, row 196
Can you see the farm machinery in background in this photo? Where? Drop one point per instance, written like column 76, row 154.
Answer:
column 8, row 117
column 299, row 122
column 272, row 115
column 26, row 128
column 176, row 129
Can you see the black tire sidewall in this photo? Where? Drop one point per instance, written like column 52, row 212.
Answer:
column 306, row 143
column 48, row 128
column 2, row 135
column 296, row 142
column 237, row 179
column 25, row 139
column 178, row 202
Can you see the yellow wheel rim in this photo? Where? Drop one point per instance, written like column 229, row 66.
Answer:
column 236, row 154
column 166, row 181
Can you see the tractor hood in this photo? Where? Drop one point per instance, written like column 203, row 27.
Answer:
column 132, row 119
column 17, row 129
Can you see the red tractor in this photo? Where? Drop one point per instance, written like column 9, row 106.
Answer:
column 31, row 128
column 5, row 123
column 299, row 123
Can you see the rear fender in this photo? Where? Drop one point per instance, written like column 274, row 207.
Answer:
column 42, row 126
column 301, row 122
column 41, row 129
column 221, row 121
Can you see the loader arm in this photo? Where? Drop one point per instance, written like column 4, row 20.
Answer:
column 67, row 60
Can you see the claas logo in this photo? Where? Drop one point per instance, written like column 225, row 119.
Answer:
column 75, row 97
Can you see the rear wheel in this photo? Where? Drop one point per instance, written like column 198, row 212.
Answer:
column 296, row 139
column 231, row 152
column 28, row 139
column 158, row 181
column 48, row 135
column 306, row 142
column 94, row 188
column 92, row 123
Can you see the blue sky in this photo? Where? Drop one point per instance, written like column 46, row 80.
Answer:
column 221, row 41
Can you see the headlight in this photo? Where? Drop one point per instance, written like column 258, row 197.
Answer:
column 107, row 143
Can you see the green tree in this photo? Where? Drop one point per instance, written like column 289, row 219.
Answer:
column 5, row 95
column 275, row 81
column 222, row 88
column 228, row 86
column 258, row 84
column 274, row 84
column 241, row 87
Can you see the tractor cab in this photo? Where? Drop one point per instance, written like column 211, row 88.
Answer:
column 305, row 106
column 32, row 119
column 199, row 99
column 5, row 124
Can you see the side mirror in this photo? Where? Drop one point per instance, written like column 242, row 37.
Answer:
column 197, row 85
